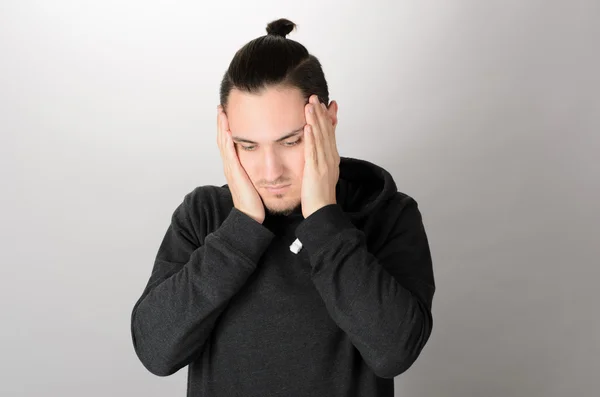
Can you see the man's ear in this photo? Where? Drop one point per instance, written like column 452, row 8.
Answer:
column 332, row 110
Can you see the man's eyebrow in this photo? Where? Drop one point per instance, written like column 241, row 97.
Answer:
column 283, row 138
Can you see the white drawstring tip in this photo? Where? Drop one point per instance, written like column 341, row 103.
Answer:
column 296, row 246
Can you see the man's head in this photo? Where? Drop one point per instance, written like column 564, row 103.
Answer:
column 264, row 93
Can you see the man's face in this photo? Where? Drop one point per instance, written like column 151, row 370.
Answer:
column 269, row 160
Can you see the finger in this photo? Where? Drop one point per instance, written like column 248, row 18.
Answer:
column 314, row 129
column 226, row 142
column 225, row 120
column 321, row 144
column 309, row 143
column 330, row 134
column 225, row 132
column 333, row 129
column 233, row 159
column 218, row 114
column 223, row 147
column 230, row 146
column 219, row 135
column 221, row 132
column 325, row 127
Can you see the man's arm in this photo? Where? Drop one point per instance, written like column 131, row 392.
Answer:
column 382, row 300
column 190, row 286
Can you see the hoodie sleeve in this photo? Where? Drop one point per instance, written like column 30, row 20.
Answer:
column 190, row 286
column 382, row 299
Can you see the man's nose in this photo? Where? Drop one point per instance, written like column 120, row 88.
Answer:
column 273, row 165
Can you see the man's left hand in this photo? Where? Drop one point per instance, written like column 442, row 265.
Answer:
column 321, row 159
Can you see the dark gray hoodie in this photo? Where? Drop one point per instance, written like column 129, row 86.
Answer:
column 341, row 317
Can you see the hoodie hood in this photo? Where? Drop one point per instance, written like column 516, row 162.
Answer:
column 363, row 187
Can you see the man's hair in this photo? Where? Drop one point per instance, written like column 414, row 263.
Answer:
column 274, row 60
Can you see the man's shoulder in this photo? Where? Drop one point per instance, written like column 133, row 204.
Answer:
column 399, row 208
column 207, row 196
column 398, row 201
column 204, row 209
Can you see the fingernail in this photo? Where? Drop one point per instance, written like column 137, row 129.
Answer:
column 310, row 108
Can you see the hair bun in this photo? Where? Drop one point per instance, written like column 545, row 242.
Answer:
column 280, row 27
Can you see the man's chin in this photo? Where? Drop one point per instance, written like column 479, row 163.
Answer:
column 284, row 210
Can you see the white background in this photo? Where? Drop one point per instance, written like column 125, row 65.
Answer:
column 486, row 112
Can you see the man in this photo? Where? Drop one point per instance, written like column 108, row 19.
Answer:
column 321, row 287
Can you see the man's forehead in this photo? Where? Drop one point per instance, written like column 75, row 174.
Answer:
column 271, row 116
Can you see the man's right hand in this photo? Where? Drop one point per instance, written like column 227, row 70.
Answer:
column 245, row 196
